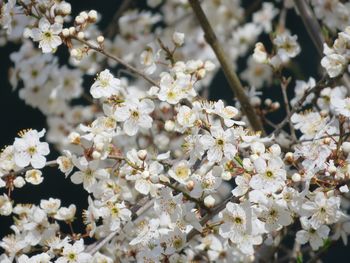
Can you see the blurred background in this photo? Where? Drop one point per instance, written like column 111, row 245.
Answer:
column 15, row 115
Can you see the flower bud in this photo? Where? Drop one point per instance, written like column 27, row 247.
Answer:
column 65, row 8
column 201, row 73
column 169, row 125
column 19, row 182
column 346, row 147
column 268, row 102
column 100, row 39
column 209, row 201
column 296, row 177
column 190, row 185
column 65, row 32
column 276, row 105
column 92, row 15
column 260, row 54
column 226, row 176
column 96, row 155
column 255, row 101
column 327, row 141
column 5, row 205
column 81, row 35
column 72, row 30
column 289, row 157
column 84, row 15
column 59, row 19
column 178, row 38
column 332, row 169
column 142, row 154
column 79, row 20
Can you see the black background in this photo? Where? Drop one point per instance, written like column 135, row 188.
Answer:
column 15, row 115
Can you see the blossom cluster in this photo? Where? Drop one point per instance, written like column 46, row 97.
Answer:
column 170, row 175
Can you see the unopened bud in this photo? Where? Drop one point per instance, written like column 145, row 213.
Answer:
column 169, row 125
column 346, row 147
column 190, row 185
column 178, row 38
column 93, row 15
column 276, row 105
column 296, row 177
column 72, row 30
column 142, row 154
column 65, row 32
column 79, row 20
column 289, row 157
column 268, row 102
column 81, row 35
column 59, row 19
column 65, row 8
column 332, row 169
column 260, row 54
column 327, row 140
column 209, row 201
column 19, row 182
column 255, row 101
column 201, row 73
column 96, row 155
column 226, row 176
column 100, row 39
column 84, row 15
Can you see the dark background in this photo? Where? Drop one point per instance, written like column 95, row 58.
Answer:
column 15, row 115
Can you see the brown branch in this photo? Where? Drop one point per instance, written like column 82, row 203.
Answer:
column 118, row 60
column 310, row 22
column 227, row 67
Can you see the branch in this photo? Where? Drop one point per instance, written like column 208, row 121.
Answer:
column 118, row 60
column 313, row 28
column 321, row 84
column 227, row 67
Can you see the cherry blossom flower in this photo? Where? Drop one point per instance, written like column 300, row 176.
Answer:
column 220, row 143
column 74, row 253
column 29, row 150
column 47, row 35
column 105, row 85
column 316, row 236
column 135, row 115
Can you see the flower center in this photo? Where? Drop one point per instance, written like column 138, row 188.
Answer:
column 31, row 150
column 47, row 35
column 220, row 142
column 71, row 256
column 182, row 172
column 269, row 174
column 237, row 220
column 135, row 115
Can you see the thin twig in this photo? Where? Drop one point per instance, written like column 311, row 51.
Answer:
column 313, row 28
column 119, row 60
column 322, row 83
column 284, row 86
column 227, row 67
